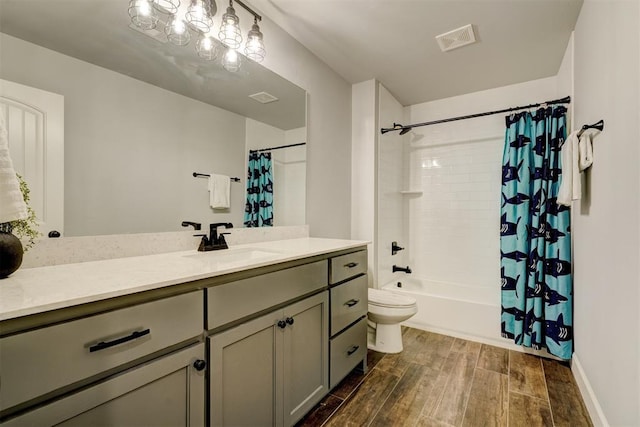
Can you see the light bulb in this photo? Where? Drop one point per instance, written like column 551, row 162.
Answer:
column 142, row 14
column 176, row 31
column 231, row 61
column 206, row 48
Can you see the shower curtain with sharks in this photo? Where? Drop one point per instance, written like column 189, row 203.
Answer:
column 535, row 240
column 258, row 210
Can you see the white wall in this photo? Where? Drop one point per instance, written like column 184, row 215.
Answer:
column 605, row 224
column 130, row 147
column 454, row 224
column 329, row 131
column 390, row 202
column 364, row 139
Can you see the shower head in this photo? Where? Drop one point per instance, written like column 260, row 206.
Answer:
column 405, row 130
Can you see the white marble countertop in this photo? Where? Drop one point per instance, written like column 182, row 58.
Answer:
column 37, row 290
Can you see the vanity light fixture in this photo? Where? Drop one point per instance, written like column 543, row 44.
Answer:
column 197, row 16
column 143, row 14
column 207, row 47
column 167, row 6
column 254, row 48
column 177, row 32
column 231, row 60
column 229, row 33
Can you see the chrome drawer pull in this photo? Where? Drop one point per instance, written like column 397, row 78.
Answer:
column 352, row 350
column 352, row 302
column 134, row 335
column 351, row 265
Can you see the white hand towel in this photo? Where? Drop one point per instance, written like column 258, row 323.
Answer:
column 570, row 184
column 585, row 149
column 12, row 206
column 219, row 191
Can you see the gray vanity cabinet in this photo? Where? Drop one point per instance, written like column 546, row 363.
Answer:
column 273, row 369
column 166, row 391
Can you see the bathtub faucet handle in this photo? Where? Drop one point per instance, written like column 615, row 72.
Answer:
column 395, row 248
column 403, row 269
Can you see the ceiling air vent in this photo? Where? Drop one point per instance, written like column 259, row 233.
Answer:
column 263, row 97
column 456, row 38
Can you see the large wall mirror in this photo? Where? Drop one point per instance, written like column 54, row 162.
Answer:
column 141, row 116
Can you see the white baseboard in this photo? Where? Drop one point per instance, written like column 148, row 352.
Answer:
column 589, row 397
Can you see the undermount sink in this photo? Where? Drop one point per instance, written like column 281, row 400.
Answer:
column 229, row 257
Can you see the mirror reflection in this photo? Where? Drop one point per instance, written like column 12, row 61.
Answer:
column 112, row 124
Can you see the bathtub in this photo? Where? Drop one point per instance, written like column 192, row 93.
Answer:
column 469, row 312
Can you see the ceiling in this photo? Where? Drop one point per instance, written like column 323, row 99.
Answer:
column 394, row 42
column 97, row 31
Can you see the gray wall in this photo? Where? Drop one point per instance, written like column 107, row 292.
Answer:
column 605, row 227
column 130, row 147
column 329, row 131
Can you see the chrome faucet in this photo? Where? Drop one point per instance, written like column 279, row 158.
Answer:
column 404, row 269
column 215, row 241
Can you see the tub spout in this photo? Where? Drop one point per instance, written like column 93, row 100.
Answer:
column 403, row 269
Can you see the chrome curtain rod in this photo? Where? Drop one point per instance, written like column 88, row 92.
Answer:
column 277, row 148
column 404, row 129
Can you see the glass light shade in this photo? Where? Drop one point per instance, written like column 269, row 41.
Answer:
column 199, row 15
column 177, row 32
column 167, row 6
column 229, row 33
column 206, row 47
column 254, row 48
column 142, row 14
column 231, row 60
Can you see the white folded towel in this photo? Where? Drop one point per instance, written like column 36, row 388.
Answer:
column 12, row 206
column 585, row 148
column 577, row 155
column 219, row 191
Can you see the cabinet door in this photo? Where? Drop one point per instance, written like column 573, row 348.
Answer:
column 165, row 392
column 244, row 386
column 305, row 356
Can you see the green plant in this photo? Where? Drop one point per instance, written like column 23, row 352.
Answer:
column 25, row 229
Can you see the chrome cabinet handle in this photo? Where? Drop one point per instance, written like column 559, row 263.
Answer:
column 352, row 350
column 352, row 302
column 351, row 265
column 106, row 344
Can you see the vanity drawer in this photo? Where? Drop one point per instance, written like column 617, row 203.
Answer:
column 348, row 303
column 243, row 298
column 346, row 266
column 346, row 350
column 40, row 361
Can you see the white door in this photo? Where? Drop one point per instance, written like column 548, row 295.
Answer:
column 35, row 125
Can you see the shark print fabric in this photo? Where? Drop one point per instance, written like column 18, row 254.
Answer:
column 258, row 210
column 535, row 238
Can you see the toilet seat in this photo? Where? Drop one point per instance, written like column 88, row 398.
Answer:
column 388, row 299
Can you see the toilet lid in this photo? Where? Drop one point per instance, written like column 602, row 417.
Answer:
column 389, row 299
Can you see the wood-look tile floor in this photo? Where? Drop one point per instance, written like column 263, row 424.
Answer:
column 444, row 381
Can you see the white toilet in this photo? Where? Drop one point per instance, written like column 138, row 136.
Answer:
column 386, row 311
